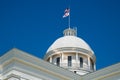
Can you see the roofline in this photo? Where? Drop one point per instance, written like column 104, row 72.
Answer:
column 27, row 59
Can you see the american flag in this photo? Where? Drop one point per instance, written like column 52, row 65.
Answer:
column 66, row 12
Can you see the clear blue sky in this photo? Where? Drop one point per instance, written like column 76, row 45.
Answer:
column 33, row 25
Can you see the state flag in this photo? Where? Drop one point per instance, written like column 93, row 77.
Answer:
column 66, row 12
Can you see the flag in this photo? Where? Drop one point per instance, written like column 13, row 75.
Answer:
column 66, row 12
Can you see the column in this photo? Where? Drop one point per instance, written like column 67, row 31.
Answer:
column 62, row 56
column 77, row 61
column 89, row 63
column 76, row 56
column 50, row 59
column 94, row 67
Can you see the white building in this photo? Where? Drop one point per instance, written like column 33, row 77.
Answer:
column 68, row 58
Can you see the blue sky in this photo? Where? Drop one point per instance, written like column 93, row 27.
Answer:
column 33, row 25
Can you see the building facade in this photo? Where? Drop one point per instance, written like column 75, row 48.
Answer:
column 68, row 58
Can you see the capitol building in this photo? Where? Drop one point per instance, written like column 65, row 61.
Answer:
column 68, row 58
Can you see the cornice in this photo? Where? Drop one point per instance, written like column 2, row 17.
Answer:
column 71, row 49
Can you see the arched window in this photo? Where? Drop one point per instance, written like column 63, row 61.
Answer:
column 58, row 61
column 81, row 62
column 69, row 61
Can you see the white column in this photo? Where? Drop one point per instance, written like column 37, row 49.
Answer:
column 89, row 62
column 76, row 56
column 50, row 59
column 94, row 67
column 77, row 61
column 62, row 56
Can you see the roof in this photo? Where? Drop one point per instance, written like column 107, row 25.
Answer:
column 69, row 41
column 34, row 66
column 40, row 68
column 108, row 73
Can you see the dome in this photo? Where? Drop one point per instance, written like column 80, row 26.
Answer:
column 69, row 41
column 69, row 51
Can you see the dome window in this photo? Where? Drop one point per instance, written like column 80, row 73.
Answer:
column 81, row 62
column 92, row 64
column 69, row 61
column 58, row 61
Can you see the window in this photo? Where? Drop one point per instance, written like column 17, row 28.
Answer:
column 81, row 62
column 92, row 64
column 69, row 60
column 58, row 61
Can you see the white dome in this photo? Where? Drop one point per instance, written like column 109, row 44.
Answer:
column 69, row 41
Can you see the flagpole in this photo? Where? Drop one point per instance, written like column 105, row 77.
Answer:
column 69, row 14
column 69, row 19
